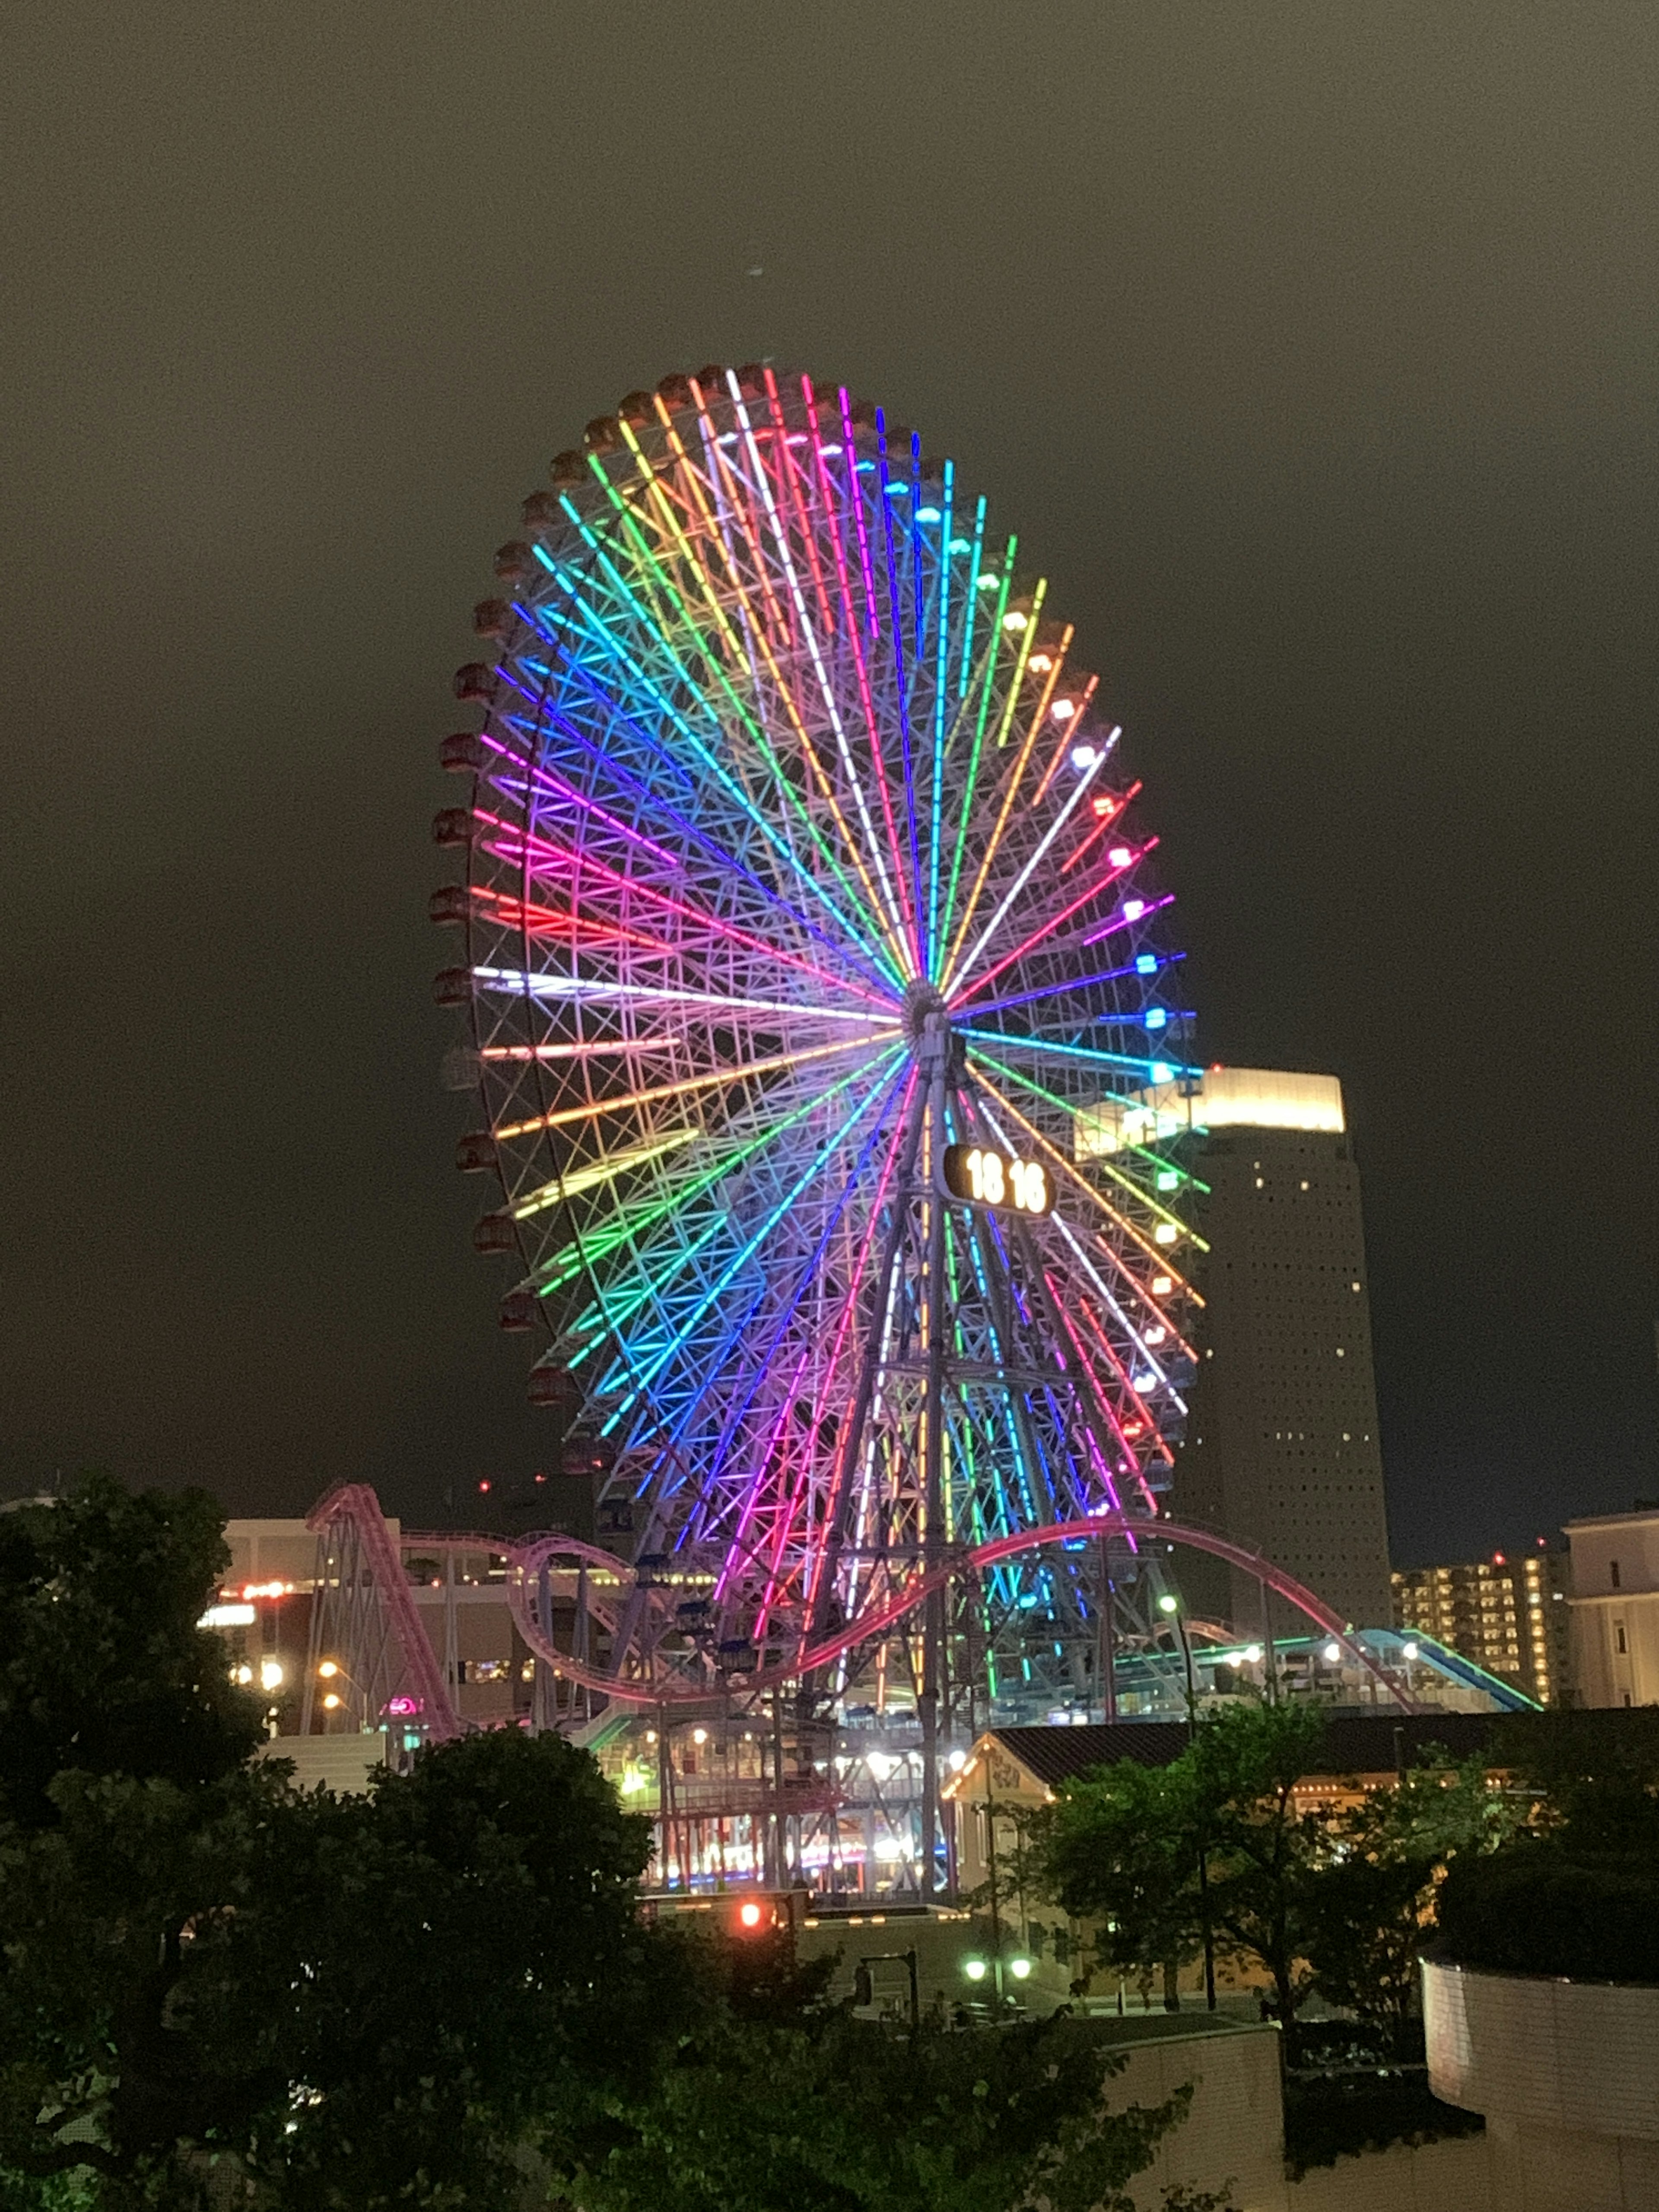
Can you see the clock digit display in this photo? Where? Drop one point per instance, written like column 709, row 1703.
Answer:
column 980, row 1174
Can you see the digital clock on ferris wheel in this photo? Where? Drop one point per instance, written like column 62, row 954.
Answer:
column 980, row 1174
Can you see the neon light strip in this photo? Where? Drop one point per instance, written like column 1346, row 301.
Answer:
column 1011, row 792
column 1047, row 929
column 635, row 888
column 1070, row 735
column 831, row 509
column 539, row 772
column 1114, row 813
column 807, row 1278
column 665, row 707
column 1077, row 1052
column 975, row 557
column 618, row 1163
column 539, row 985
column 942, row 634
column 627, row 1101
column 1158, row 1254
column 634, row 1220
column 1027, row 872
column 992, row 647
column 855, row 499
column 841, row 1473
column 826, row 690
column 1072, row 984
column 718, row 1288
column 900, row 674
column 785, row 691
column 765, row 751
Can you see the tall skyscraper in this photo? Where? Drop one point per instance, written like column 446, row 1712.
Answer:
column 1281, row 1450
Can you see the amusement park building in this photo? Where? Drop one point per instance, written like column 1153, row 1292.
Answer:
column 1281, row 1451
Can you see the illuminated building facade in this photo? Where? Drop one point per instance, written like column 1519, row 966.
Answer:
column 1508, row 1614
column 1282, row 1450
column 1614, row 1608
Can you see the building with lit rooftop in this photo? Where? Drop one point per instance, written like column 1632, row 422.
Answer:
column 1508, row 1614
column 1282, row 1449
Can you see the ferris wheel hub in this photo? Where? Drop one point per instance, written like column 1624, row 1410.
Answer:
column 922, row 1001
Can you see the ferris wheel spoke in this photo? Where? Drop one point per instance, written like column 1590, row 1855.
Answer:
column 1165, row 1216
column 1051, row 1049
column 1080, row 790
column 826, row 693
column 1149, row 1251
column 718, row 469
column 745, row 1254
column 718, row 1079
column 628, row 1226
column 1011, row 781
column 748, row 526
column 850, row 628
column 850, row 956
column 803, row 1282
column 1002, row 583
column 569, row 860
column 709, row 761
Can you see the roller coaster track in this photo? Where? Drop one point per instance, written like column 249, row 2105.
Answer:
column 353, row 1511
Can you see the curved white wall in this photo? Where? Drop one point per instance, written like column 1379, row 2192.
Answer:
column 1567, row 2074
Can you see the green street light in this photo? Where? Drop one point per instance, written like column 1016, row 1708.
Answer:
column 974, row 1969
column 1019, row 1968
column 1169, row 1603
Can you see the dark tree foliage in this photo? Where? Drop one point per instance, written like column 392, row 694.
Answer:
column 1370, row 1906
column 114, row 1924
column 1577, row 1892
column 808, row 2109
column 1124, row 1846
column 450, row 1971
column 103, row 1669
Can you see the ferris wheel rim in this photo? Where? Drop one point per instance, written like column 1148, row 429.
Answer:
column 511, row 998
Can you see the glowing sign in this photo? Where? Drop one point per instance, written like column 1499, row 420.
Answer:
column 979, row 1174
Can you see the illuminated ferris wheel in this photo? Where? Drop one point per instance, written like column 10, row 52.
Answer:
column 821, row 1023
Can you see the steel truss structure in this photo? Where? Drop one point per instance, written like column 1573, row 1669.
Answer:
column 799, row 853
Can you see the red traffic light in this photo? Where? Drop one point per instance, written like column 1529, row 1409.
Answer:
column 750, row 1915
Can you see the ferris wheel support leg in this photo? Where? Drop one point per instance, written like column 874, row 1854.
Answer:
column 846, row 1494
column 935, row 1048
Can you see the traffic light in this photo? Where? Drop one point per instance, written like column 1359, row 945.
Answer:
column 864, row 1990
column 748, row 1918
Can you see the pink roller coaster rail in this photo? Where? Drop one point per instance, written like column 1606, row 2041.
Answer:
column 354, row 1502
column 357, row 1503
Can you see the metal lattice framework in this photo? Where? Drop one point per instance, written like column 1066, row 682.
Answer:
column 798, row 850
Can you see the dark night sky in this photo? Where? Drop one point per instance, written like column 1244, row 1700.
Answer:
column 1310, row 348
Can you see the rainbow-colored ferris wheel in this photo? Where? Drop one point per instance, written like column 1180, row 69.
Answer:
column 822, row 1023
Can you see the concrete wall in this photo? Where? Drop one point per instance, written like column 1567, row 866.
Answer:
column 1234, row 2132
column 1567, row 2074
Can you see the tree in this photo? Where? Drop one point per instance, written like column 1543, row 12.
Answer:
column 103, row 1668
column 808, row 2109
column 1370, row 1904
column 455, row 1972
column 1121, row 1848
column 114, row 1921
column 1126, row 1846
